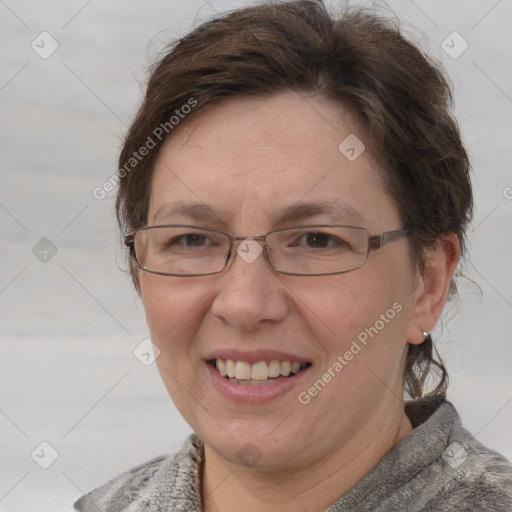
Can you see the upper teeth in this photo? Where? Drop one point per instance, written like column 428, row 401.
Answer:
column 243, row 370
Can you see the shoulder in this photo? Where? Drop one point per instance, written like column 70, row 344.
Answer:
column 121, row 490
column 150, row 485
column 470, row 476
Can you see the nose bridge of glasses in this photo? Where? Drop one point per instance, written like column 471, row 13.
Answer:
column 247, row 247
column 237, row 238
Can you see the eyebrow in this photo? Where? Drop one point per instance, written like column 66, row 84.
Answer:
column 337, row 211
column 195, row 211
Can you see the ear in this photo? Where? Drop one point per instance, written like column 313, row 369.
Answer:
column 432, row 287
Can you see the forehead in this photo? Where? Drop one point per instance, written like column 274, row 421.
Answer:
column 254, row 158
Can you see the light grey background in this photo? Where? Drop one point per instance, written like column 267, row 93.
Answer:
column 69, row 326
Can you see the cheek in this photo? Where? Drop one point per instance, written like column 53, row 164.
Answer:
column 172, row 306
column 174, row 310
column 364, row 305
column 346, row 302
column 157, row 301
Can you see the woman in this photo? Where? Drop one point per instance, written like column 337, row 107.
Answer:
column 294, row 195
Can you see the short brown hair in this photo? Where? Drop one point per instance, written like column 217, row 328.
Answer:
column 400, row 98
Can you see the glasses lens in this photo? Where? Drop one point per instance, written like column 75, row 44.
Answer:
column 315, row 250
column 181, row 250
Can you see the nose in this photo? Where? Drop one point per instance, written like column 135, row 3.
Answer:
column 250, row 292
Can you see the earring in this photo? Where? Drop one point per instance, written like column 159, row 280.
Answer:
column 426, row 336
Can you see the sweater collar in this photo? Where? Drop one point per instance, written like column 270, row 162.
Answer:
column 433, row 419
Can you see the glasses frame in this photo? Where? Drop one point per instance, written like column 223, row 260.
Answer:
column 375, row 242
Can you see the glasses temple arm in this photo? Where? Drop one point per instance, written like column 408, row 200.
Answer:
column 377, row 241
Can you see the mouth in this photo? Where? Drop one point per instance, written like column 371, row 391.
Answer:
column 260, row 373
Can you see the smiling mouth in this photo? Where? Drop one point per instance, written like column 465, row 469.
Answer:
column 260, row 373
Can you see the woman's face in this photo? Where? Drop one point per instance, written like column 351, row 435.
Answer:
column 249, row 160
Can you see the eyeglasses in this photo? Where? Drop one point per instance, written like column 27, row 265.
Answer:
column 310, row 250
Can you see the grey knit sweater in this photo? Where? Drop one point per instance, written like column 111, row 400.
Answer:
column 438, row 467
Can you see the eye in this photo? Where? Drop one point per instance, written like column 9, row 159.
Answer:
column 320, row 240
column 189, row 240
column 197, row 243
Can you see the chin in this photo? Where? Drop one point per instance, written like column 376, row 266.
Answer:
column 254, row 447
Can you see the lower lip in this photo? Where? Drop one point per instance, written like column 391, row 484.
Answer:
column 243, row 393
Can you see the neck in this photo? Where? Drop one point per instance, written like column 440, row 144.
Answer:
column 229, row 487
